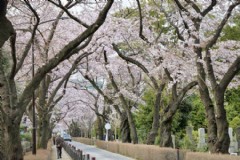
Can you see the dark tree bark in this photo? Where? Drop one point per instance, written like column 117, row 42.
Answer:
column 223, row 140
column 10, row 117
column 43, row 132
column 125, row 129
column 170, row 111
column 166, row 132
column 156, row 117
column 209, row 106
column 13, row 150
column 100, row 127
column 6, row 27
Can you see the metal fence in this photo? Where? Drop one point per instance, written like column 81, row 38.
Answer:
column 76, row 154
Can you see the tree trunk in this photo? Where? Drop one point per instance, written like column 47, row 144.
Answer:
column 100, row 128
column 6, row 30
column 10, row 116
column 126, row 107
column 124, row 128
column 165, row 133
column 209, row 107
column 1, row 142
column 156, row 116
column 223, row 140
column 166, row 125
column 212, row 127
column 207, row 102
column 11, row 140
column 44, row 130
column 133, row 131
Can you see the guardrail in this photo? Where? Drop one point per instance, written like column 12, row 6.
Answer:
column 76, row 154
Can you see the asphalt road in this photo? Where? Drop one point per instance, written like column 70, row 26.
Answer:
column 99, row 154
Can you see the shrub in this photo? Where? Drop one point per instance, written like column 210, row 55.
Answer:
column 26, row 137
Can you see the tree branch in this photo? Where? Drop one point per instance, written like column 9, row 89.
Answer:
column 6, row 27
column 229, row 75
column 68, row 13
column 218, row 31
column 210, row 70
column 174, row 87
column 209, row 8
column 180, row 36
column 52, row 31
column 66, row 78
column 181, row 7
column 133, row 61
column 28, row 46
column 106, row 98
column 62, row 54
column 3, row 7
column 173, row 106
column 194, row 6
column 13, row 52
column 185, row 89
column 141, row 23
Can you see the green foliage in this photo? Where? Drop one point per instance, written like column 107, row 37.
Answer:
column 232, row 32
column 159, row 23
column 144, row 115
column 232, row 102
column 26, row 136
column 186, row 143
column 127, row 13
column 22, row 128
column 203, row 149
column 180, row 120
column 191, row 112
column 235, row 123
column 197, row 115
column 232, row 105
column 74, row 129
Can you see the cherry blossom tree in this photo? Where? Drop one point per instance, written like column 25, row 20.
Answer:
column 129, row 38
column 96, row 70
column 199, row 34
column 156, row 56
column 109, row 100
column 47, row 101
column 13, row 104
column 112, row 98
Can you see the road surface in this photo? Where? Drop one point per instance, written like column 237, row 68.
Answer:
column 99, row 154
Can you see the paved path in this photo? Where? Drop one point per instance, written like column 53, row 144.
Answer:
column 99, row 154
column 65, row 156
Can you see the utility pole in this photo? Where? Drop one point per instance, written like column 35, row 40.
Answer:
column 34, row 151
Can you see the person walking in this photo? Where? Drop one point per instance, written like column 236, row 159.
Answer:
column 59, row 144
column 53, row 138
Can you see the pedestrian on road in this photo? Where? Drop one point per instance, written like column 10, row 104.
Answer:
column 59, row 144
column 53, row 138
